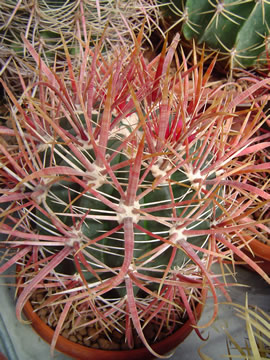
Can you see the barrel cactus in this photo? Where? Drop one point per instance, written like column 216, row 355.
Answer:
column 121, row 186
column 237, row 29
column 43, row 22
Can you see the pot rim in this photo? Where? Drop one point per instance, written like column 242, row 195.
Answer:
column 78, row 351
column 260, row 249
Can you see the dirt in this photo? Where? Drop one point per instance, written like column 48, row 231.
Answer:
column 92, row 335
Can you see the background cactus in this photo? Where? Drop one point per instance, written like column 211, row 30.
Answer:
column 122, row 184
column 43, row 21
column 238, row 29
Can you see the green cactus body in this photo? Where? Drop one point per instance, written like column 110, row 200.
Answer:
column 237, row 29
column 66, row 200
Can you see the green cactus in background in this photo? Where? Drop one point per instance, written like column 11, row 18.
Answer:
column 237, row 29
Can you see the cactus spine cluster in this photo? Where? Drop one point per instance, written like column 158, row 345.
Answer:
column 45, row 22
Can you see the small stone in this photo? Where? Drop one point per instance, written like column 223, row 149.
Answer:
column 57, row 311
column 103, row 343
column 92, row 333
column 42, row 312
column 65, row 333
column 82, row 331
column 39, row 298
column 79, row 336
column 73, row 338
column 124, row 346
column 87, row 342
column 114, row 346
column 117, row 336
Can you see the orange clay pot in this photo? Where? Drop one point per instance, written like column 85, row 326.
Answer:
column 80, row 352
column 260, row 252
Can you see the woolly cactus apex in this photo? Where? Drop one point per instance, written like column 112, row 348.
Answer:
column 238, row 29
column 122, row 185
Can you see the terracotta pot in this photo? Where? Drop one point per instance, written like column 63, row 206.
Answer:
column 262, row 254
column 261, row 251
column 80, row 352
column 2, row 357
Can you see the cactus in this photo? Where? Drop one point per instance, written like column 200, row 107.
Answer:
column 237, row 29
column 121, row 187
column 43, row 22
